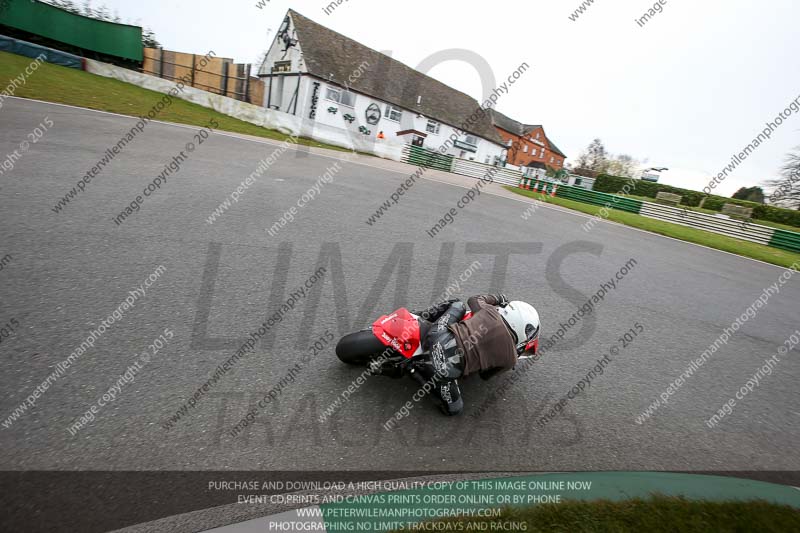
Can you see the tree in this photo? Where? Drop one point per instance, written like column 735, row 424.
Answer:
column 751, row 194
column 623, row 165
column 785, row 191
column 598, row 158
column 582, row 161
column 149, row 39
column 66, row 5
column 103, row 13
column 594, row 158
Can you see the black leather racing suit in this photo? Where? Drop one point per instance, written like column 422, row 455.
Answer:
column 438, row 372
column 456, row 349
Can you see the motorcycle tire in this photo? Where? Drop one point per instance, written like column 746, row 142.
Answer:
column 359, row 348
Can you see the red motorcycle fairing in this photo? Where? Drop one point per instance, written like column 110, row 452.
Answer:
column 400, row 330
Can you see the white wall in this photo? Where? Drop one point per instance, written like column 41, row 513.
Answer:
column 276, row 53
column 253, row 114
column 280, row 89
column 586, row 183
column 390, row 128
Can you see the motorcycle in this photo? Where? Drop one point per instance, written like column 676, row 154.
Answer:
column 390, row 346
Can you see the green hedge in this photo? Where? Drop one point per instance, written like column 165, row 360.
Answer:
column 777, row 214
column 614, row 184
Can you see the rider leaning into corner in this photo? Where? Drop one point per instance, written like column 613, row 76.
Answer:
column 491, row 341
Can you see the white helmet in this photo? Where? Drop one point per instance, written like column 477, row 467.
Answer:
column 523, row 320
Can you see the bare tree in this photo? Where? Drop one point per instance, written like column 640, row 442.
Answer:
column 623, row 165
column 598, row 157
column 785, row 191
column 582, row 161
column 149, row 39
column 594, row 158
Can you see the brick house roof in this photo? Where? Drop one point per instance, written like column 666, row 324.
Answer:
column 518, row 128
column 510, row 125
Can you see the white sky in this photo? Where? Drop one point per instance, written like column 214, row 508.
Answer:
column 687, row 91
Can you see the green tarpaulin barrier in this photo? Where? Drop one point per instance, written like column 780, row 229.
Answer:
column 120, row 40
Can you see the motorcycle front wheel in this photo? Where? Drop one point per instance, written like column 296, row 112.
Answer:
column 359, row 348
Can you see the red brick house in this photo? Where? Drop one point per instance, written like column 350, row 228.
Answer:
column 527, row 145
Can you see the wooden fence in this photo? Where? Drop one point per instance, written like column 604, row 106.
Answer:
column 218, row 75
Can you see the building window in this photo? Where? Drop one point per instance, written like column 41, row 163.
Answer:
column 393, row 113
column 552, row 159
column 416, row 140
column 433, row 127
column 537, row 134
column 282, row 66
column 510, row 143
column 471, row 139
column 525, row 148
column 341, row 97
column 542, row 154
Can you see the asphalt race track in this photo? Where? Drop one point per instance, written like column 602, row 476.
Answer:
column 70, row 270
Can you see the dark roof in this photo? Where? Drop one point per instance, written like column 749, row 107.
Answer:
column 518, row 128
column 334, row 57
column 510, row 125
column 554, row 148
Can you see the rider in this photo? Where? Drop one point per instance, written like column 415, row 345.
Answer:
column 490, row 342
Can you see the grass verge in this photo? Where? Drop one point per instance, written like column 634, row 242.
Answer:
column 62, row 85
column 658, row 514
column 676, row 231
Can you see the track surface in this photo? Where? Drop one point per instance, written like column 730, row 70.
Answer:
column 71, row 269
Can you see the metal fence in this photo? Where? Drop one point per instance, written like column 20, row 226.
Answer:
column 737, row 229
column 786, row 240
column 586, row 196
column 474, row 169
column 730, row 227
column 423, row 157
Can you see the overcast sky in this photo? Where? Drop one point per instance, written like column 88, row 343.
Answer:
column 688, row 90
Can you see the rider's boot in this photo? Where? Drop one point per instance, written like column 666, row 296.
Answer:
column 386, row 369
column 445, row 392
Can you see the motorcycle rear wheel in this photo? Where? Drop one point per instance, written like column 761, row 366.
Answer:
column 359, row 348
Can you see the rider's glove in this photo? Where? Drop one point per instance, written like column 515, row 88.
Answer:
column 502, row 300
